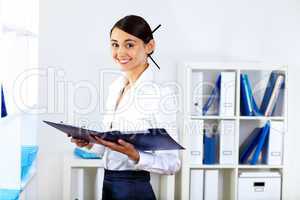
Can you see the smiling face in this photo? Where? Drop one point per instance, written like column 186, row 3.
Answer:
column 129, row 51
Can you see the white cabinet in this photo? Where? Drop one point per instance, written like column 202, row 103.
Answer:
column 193, row 77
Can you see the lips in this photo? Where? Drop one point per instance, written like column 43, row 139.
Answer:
column 124, row 61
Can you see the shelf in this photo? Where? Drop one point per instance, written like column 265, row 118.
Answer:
column 264, row 118
column 260, row 166
column 213, row 117
column 212, row 166
column 198, row 81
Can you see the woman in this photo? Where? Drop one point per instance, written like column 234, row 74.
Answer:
column 138, row 103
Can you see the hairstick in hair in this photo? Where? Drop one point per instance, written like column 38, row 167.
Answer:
column 150, row 55
column 154, row 62
column 156, row 28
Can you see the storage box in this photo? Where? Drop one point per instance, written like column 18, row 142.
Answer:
column 259, row 186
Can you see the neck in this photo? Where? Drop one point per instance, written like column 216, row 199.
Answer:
column 133, row 75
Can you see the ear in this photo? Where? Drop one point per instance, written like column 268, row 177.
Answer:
column 150, row 46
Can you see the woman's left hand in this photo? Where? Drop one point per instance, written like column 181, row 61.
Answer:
column 121, row 146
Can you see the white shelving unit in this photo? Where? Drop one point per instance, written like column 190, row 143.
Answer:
column 258, row 76
column 18, row 75
column 17, row 131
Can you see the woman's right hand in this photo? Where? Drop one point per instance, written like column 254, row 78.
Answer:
column 82, row 143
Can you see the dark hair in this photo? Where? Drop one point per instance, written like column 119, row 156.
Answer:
column 136, row 26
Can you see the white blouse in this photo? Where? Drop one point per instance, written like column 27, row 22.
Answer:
column 144, row 105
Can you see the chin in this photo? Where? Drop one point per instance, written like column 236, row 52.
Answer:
column 125, row 67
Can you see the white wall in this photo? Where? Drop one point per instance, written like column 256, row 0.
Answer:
column 74, row 37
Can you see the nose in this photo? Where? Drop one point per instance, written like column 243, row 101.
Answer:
column 121, row 51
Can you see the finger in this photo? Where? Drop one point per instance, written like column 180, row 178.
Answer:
column 110, row 144
column 113, row 145
column 105, row 142
column 125, row 144
column 98, row 139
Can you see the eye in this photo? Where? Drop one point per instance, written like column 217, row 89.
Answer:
column 129, row 45
column 114, row 45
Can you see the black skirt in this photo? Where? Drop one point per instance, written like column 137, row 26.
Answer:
column 127, row 185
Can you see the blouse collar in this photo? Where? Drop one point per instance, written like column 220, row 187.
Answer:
column 148, row 75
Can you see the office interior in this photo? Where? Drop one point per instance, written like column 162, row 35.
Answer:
column 56, row 65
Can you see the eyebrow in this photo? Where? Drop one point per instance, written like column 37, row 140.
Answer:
column 127, row 40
